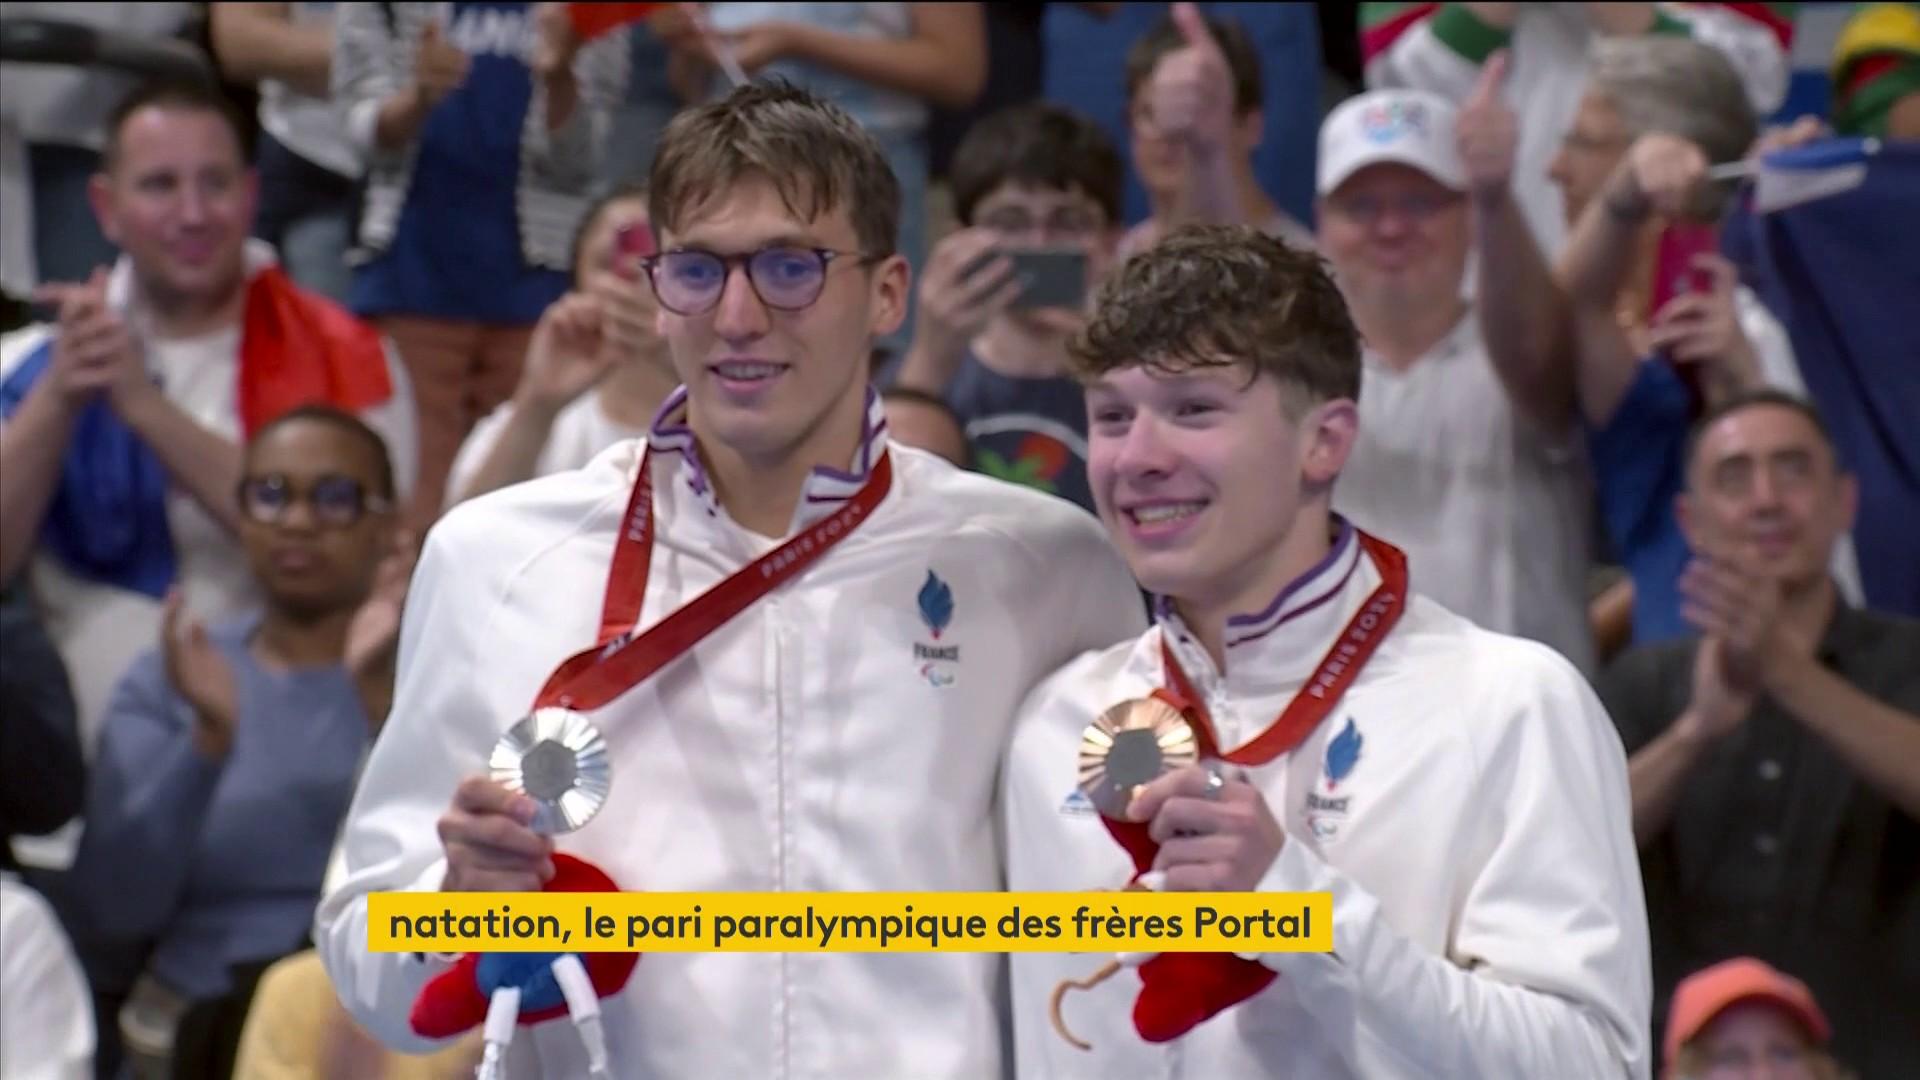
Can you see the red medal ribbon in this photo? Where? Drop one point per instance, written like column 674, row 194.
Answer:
column 618, row 662
column 1336, row 672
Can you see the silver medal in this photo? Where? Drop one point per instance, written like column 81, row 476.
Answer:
column 557, row 758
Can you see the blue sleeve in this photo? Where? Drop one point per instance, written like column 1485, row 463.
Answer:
column 1639, row 462
column 146, row 799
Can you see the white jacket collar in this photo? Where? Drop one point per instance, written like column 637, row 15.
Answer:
column 1270, row 653
column 825, row 490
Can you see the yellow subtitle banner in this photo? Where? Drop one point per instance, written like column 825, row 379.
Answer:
column 1135, row 921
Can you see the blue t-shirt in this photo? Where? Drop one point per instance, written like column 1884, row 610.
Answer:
column 1028, row 431
column 456, row 251
column 1640, row 469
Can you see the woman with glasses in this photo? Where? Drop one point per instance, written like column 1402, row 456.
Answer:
column 229, row 751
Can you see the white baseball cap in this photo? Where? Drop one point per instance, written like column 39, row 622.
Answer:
column 1408, row 127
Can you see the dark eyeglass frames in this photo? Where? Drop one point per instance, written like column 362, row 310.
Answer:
column 337, row 501
column 690, row 282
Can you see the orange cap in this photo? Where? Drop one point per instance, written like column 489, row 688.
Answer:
column 1706, row 993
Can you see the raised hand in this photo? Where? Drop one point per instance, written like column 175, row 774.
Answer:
column 555, row 42
column 439, row 67
column 1191, row 95
column 94, row 350
column 1488, row 132
column 1664, row 172
column 565, row 358
column 965, row 287
column 201, row 675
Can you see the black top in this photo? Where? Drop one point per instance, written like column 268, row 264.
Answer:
column 1776, row 849
column 42, row 778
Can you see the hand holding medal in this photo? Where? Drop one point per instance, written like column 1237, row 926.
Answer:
column 1143, row 784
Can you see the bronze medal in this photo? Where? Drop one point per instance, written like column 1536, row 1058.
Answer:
column 1130, row 746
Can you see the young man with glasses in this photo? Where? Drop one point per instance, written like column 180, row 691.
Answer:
column 229, row 753
column 1466, row 458
column 837, row 725
column 1034, row 177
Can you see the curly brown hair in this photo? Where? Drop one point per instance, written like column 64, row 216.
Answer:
column 1221, row 295
column 815, row 154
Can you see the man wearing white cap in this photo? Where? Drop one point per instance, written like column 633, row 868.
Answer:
column 1468, row 461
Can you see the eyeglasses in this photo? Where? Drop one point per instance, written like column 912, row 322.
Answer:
column 337, row 501
column 1067, row 223
column 784, row 278
column 1367, row 209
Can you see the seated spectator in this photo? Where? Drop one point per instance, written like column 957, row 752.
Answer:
column 1034, row 176
column 309, row 168
column 229, row 754
column 482, row 126
column 296, row 1030
column 1194, row 102
column 1741, row 1019
column 917, row 418
column 1441, row 47
column 596, row 369
column 46, row 1016
column 1467, row 458
column 1655, row 319
column 1876, row 73
column 1775, row 758
column 123, row 419
column 42, row 771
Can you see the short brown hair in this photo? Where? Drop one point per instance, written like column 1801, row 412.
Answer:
column 179, row 96
column 813, row 153
column 1242, row 62
column 1039, row 145
column 1215, row 295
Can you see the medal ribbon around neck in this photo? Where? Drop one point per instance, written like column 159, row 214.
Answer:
column 618, row 661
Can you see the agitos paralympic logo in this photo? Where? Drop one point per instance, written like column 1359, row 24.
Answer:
column 936, row 611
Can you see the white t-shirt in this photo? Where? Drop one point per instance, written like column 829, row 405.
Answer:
column 46, row 1011
column 580, row 432
column 1492, row 512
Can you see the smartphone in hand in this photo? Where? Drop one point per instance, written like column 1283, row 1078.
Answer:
column 1674, row 274
column 1052, row 277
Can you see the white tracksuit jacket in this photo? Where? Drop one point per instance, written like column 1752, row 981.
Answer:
column 810, row 744
column 1488, row 917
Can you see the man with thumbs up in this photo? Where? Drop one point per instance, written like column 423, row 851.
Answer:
column 1193, row 101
